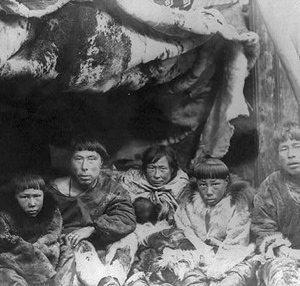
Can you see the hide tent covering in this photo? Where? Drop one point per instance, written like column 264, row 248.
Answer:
column 138, row 72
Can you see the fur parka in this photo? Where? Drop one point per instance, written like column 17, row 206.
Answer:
column 220, row 233
column 211, row 247
column 30, row 245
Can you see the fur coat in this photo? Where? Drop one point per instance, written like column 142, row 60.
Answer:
column 213, row 246
column 30, row 245
column 220, row 233
column 276, row 215
column 166, row 196
column 136, row 183
column 108, row 208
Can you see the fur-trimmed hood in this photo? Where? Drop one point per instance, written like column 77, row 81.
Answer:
column 30, row 245
column 240, row 191
column 221, row 233
column 29, row 227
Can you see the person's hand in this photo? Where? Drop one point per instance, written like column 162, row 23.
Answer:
column 77, row 235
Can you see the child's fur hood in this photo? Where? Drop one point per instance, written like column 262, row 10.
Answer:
column 240, row 191
column 29, row 226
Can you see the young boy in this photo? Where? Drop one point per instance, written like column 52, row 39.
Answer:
column 276, row 215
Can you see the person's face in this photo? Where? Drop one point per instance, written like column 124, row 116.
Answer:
column 158, row 173
column 86, row 166
column 212, row 190
column 289, row 156
column 31, row 201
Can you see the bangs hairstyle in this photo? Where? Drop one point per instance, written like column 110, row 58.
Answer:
column 210, row 168
column 154, row 153
column 88, row 143
column 288, row 131
column 20, row 183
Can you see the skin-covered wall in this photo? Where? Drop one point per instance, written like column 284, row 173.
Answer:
column 275, row 100
column 172, row 76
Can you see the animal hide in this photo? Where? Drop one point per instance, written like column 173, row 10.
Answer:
column 190, row 63
column 31, row 8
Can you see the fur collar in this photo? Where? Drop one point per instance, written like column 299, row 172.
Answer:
column 240, row 191
column 26, row 226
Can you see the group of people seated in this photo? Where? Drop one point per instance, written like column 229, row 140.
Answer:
column 156, row 225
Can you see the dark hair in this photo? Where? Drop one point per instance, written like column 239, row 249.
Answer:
column 22, row 182
column 33, row 226
column 289, row 130
column 145, row 211
column 84, row 142
column 209, row 168
column 156, row 152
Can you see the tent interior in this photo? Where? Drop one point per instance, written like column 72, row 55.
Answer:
column 181, row 75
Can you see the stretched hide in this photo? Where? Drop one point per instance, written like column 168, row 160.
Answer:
column 31, row 8
column 187, row 60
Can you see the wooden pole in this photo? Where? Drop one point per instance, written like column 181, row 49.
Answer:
column 274, row 16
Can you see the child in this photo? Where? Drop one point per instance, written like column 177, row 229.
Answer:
column 145, row 211
column 214, row 212
column 30, row 227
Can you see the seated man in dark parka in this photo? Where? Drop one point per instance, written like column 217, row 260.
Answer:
column 96, row 212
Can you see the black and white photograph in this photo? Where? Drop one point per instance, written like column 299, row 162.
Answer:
column 149, row 142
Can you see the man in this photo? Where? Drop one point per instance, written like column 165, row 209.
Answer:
column 276, row 215
column 96, row 212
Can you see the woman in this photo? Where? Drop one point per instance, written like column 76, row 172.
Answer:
column 30, row 228
column 160, row 180
column 154, row 190
column 213, row 245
